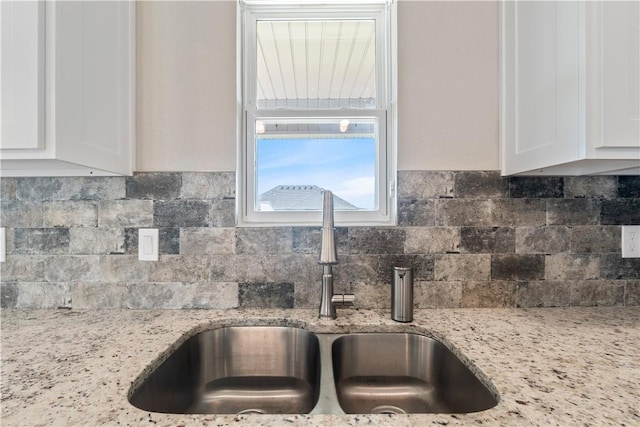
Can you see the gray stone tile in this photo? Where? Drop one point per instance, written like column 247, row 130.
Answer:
column 462, row 267
column 431, row 240
column 376, row 240
column 463, row 212
column 125, row 213
column 210, row 295
column 7, row 188
column 154, row 186
column 534, row 187
column 21, row 214
column 264, row 240
column 620, row 212
column 487, row 240
column 572, row 267
column 123, row 268
column 307, row 240
column 265, row 295
column 379, row 268
column 614, row 267
column 74, row 268
column 517, row 267
column 588, row 293
column 92, row 296
column 8, row 294
column 416, row 212
column 423, row 266
column 155, row 295
column 603, row 187
column 543, row 294
column 532, row 240
column 437, row 294
column 181, row 268
column 369, row 295
column 629, row 186
column 596, row 239
column 70, row 214
column 573, row 211
column 89, row 241
column 43, row 295
column 182, row 213
column 208, row 185
column 493, row 294
column 70, row 188
column 632, row 293
column 223, row 213
column 480, row 185
column 299, row 268
column 518, row 212
column 224, row 268
column 425, row 184
column 43, row 241
column 169, row 241
column 307, row 294
column 207, row 241
column 9, row 237
column 23, row 268
column 277, row 268
column 362, row 268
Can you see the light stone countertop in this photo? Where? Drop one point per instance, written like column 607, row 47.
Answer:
column 573, row 366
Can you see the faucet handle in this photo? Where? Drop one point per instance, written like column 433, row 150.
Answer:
column 344, row 300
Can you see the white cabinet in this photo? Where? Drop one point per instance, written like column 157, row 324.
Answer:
column 570, row 88
column 67, row 88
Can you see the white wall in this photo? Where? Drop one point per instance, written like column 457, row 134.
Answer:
column 447, row 86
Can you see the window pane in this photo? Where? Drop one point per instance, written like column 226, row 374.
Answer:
column 316, row 64
column 297, row 158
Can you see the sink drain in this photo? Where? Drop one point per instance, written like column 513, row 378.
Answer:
column 387, row 409
column 251, row 411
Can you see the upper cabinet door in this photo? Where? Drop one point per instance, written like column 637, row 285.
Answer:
column 570, row 101
column 613, row 49
column 22, row 76
column 540, row 83
column 68, row 94
column 91, row 82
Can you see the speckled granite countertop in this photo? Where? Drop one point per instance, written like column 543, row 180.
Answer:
column 575, row 366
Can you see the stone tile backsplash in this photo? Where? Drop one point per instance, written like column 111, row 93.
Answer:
column 473, row 238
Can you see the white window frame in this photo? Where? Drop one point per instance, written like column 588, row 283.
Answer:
column 384, row 14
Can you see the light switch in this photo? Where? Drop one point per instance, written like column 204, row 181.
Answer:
column 148, row 244
column 3, row 245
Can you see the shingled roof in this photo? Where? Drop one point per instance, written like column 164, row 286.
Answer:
column 299, row 198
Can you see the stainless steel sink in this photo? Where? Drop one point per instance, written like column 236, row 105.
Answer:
column 285, row 370
column 404, row 373
column 234, row 370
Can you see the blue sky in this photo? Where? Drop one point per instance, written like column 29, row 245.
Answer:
column 343, row 165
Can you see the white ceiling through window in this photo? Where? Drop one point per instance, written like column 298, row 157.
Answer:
column 316, row 64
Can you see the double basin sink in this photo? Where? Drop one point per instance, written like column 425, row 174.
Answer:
column 287, row 370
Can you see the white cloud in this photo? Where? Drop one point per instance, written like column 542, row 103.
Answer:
column 359, row 191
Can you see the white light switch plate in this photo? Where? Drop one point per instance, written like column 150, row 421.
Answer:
column 148, row 244
column 3, row 245
column 631, row 241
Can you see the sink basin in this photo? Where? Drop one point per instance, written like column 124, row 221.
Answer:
column 261, row 369
column 286, row 370
column 404, row 373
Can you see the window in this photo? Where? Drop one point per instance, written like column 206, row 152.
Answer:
column 317, row 92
